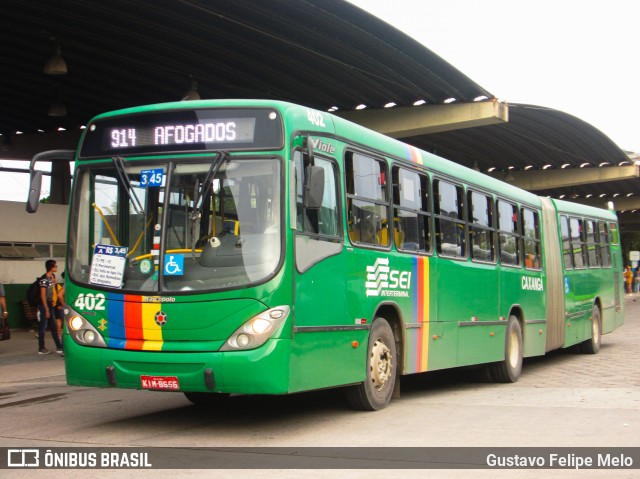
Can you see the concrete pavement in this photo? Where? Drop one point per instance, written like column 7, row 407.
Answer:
column 561, row 400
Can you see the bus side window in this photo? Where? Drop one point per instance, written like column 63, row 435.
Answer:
column 450, row 225
column 531, row 232
column 566, row 243
column 481, row 227
column 613, row 234
column 603, row 241
column 592, row 246
column 367, row 200
column 577, row 242
column 412, row 217
column 322, row 221
column 509, row 239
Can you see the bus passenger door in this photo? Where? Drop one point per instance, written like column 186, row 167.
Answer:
column 575, row 281
column 318, row 355
column 510, row 256
column 611, row 258
column 466, row 277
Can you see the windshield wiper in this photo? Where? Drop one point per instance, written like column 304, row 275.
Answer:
column 118, row 162
column 201, row 193
column 198, row 202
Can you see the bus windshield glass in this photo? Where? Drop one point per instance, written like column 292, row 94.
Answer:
column 176, row 226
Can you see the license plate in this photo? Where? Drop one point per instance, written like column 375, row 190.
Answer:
column 160, row 382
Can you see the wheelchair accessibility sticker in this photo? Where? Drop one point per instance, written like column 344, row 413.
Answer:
column 174, row 264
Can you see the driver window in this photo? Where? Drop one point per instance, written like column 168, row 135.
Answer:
column 321, row 221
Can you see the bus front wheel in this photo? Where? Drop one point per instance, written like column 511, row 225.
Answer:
column 375, row 392
column 508, row 370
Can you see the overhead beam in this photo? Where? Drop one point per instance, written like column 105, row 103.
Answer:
column 403, row 122
column 619, row 203
column 24, row 147
column 533, row 180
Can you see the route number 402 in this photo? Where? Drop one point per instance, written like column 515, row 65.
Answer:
column 90, row 302
column 316, row 118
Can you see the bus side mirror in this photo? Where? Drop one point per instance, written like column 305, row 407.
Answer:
column 35, row 176
column 35, row 186
column 314, row 187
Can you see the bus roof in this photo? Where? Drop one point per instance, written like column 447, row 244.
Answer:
column 435, row 163
column 584, row 210
column 194, row 105
column 384, row 145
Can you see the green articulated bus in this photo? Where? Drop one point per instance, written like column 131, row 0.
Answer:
column 260, row 247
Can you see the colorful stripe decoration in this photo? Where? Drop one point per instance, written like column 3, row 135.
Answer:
column 414, row 155
column 417, row 357
column 132, row 323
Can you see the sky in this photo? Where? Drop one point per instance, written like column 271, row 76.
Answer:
column 580, row 57
column 15, row 186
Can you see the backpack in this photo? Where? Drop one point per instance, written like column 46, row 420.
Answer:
column 33, row 292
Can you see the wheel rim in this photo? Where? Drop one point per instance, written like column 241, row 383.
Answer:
column 514, row 349
column 380, row 364
column 595, row 330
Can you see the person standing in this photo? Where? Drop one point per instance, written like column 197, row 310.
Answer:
column 59, row 305
column 47, row 309
column 628, row 279
column 3, row 304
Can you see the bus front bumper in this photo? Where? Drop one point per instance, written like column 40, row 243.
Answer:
column 260, row 371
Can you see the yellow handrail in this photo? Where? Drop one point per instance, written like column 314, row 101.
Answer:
column 135, row 247
column 106, row 223
column 180, row 250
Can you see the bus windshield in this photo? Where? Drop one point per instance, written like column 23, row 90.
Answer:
column 176, row 226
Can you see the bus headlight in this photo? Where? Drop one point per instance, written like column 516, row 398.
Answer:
column 75, row 323
column 89, row 336
column 81, row 331
column 255, row 332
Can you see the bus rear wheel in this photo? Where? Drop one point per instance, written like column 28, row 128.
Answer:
column 592, row 346
column 508, row 370
column 375, row 392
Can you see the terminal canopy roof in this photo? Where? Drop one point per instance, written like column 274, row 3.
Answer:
column 327, row 54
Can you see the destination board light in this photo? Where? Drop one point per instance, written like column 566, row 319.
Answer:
column 189, row 130
column 235, row 130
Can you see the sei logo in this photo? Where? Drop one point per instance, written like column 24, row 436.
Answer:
column 383, row 281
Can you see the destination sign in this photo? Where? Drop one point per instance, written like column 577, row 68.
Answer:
column 183, row 130
column 237, row 130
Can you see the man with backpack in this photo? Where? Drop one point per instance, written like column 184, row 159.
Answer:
column 47, row 309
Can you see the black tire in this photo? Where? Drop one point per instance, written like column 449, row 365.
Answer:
column 375, row 392
column 592, row 346
column 509, row 370
column 207, row 399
